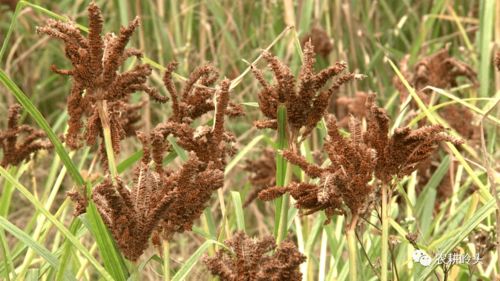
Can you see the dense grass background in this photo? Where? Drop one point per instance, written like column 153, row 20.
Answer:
column 41, row 240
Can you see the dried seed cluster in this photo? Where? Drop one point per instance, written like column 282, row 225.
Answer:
column 322, row 43
column 305, row 104
column 196, row 97
column 351, row 106
column 209, row 144
column 96, row 60
column 262, row 174
column 15, row 151
column 442, row 71
column 439, row 70
column 399, row 154
column 249, row 260
column 354, row 161
column 161, row 201
column 344, row 181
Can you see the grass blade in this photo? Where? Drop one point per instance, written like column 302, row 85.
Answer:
column 485, row 36
column 238, row 210
column 193, row 259
column 35, row 246
column 451, row 243
column 40, row 208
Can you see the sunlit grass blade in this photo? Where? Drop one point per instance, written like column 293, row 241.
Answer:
column 451, row 243
column 67, row 234
column 238, row 210
column 35, row 246
column 485, row 35
column 182, row 273
column 8, row 264
column 425, row 203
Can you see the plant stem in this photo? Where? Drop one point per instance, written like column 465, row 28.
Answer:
column 385, row 233
column 323, row 256
column 103, row 115
column 166, row 260
column 351, row 245
column 281, row 204
column 285, row 205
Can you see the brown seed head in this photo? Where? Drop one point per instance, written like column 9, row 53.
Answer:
column 304, row 97
column 320, row 40
column 248, row 259
column 14, row 150
column 96, row 60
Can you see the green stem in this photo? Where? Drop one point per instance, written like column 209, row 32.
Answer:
column 281, row 204
column 353, row 251
column 103, row 115
column 285, row 205
column 385, row 233
column 166, row 260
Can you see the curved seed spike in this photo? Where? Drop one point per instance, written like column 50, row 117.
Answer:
column 96, row 43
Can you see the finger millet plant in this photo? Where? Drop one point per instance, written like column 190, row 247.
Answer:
column 331, row 162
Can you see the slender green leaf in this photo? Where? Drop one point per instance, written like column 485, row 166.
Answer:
column 425, row 203
column 467, row 228
column 40, row 208
column 193, row 259
column 34, row 245
column 487, row 20
column 238, row 210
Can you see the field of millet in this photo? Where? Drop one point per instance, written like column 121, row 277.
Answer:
column 249, row 140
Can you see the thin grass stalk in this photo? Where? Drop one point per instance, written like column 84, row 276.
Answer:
column 61, row 213
column 323, row 256
column 206, row 227
column 72, row 238
column 103, row 115
column 285, row 205
column 281, row 170
column 220, row 195
column 166, row 260
column 66, row 251
column 299, row 230
column 85, row 264
column 40, row 223
column 353, row 251
column 491, row 178
column 385, row 234
column 5, row 254
column 12, row 26
column 5, row 200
